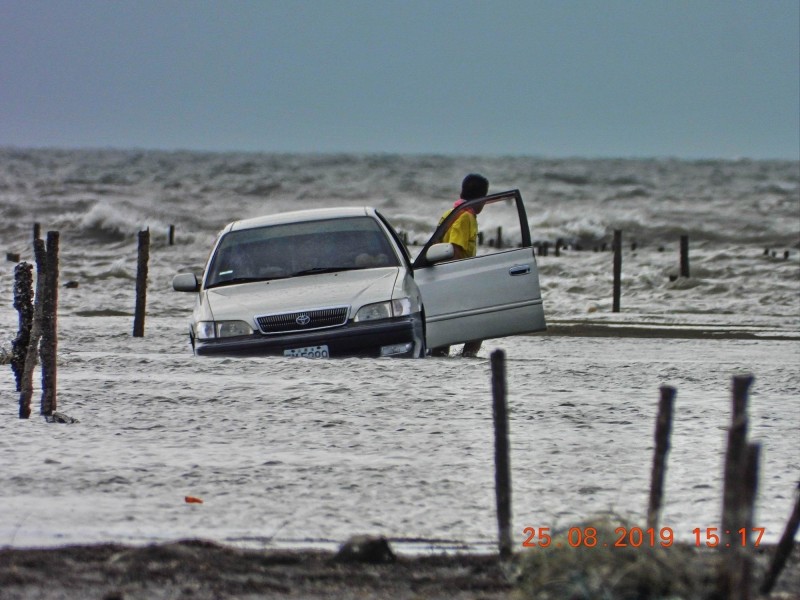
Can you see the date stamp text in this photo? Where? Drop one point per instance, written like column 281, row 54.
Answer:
column 636, row 537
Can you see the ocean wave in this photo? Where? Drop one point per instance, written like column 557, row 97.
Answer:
column 581, row 199
column 109, row 222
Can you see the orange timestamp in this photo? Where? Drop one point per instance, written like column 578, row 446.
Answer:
column 624, row 537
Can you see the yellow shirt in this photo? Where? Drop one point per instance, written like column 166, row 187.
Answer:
column 463, row 232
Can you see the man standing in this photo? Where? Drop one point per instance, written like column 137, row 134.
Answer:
column 463, row 234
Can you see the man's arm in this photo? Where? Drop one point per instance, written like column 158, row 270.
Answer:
column 459, row 252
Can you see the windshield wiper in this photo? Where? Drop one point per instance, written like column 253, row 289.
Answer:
column 318, row 270
column 236, row 280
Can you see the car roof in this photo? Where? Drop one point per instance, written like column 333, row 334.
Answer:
column 299, row 216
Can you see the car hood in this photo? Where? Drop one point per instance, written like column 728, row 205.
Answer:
column 344, row 288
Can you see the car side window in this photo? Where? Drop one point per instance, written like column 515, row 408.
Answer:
column 498, row 223
column 498, row 227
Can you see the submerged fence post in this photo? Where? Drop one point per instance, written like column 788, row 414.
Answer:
column 172, row 235
column 141, row 283
column 26, row 384
column 617, row 269
column 502, row 464
column 23, row 302
column 684, row 256
column 662, row 435
column 48, row 349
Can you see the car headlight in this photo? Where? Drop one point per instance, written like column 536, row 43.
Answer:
column 233, row 329
column 401, row 307
column 207, row 330
column 384, row 310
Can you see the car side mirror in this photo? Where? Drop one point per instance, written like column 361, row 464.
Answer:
column 440, row 252
column 185, row 282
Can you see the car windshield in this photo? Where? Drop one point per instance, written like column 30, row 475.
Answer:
column 296, row 249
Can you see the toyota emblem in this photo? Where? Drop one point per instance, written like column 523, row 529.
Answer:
column 303, row 320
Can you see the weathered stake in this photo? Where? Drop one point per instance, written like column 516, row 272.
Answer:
column 172, row 235
column 502, row 464
column 784, row 548
column 617, row 269
column 742, row 565
column 734, row 492
column 662, row 435
column 23, row 302
column 735, row 455
column 26, row 385
column 49, row 343
column 141, row 283
column 684, row 256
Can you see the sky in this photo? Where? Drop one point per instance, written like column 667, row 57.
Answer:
column 551, row 78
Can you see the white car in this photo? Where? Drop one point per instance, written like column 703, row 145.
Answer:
column 340, row 282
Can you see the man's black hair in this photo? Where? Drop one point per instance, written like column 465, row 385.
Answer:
column 474, row 186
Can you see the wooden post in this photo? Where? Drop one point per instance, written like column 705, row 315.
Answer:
column 617, row 269
column 499, row 237
column 684, row 256
column 49, row 343
column 557, row 248
column 502, row 464
column 662, row 435
column 37, row 231
column 141, row 283
column 735, row 454
column 744, row 551
column 784, row 548
column 733, row 491
column 26, row 385
column 23, row 302
column 172, row 235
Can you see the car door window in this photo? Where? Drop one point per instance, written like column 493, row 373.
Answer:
column 502, row 225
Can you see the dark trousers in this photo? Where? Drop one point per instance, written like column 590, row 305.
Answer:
column 470, row 350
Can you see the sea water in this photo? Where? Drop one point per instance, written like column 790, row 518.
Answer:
column 302, row 452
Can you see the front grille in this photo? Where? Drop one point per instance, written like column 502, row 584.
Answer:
column 305, row 320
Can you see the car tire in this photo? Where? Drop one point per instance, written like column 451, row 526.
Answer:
column 423, row 350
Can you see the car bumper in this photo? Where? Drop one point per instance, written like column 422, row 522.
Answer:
column 354, row 339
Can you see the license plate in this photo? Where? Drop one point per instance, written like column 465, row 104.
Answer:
column 309, row 352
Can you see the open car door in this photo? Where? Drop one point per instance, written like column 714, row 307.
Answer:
column 493, row 294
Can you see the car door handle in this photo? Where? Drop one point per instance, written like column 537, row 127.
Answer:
column 519, row 270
